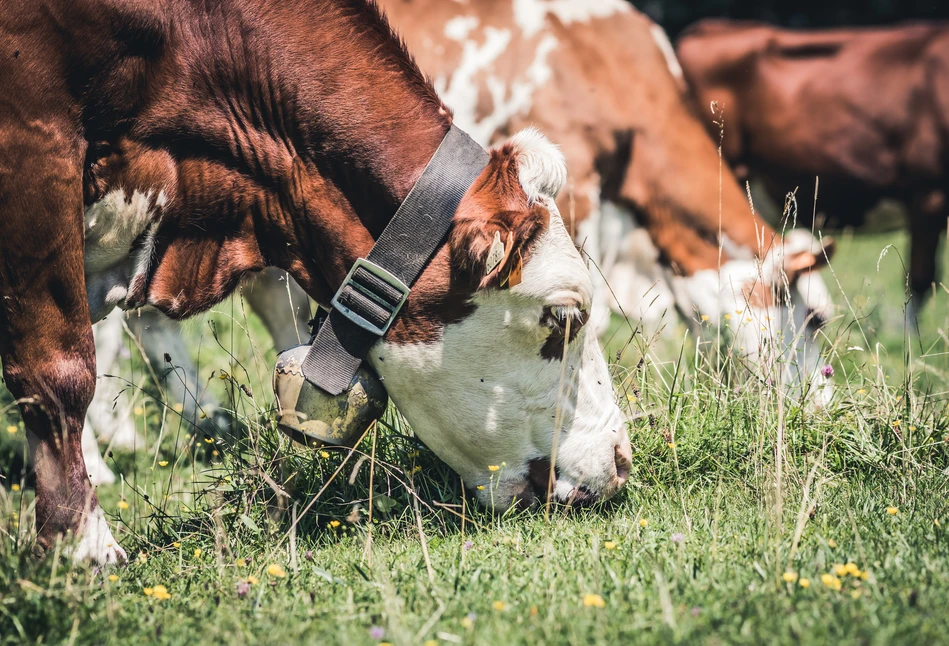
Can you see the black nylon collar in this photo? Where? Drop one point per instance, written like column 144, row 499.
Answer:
column 377, row 286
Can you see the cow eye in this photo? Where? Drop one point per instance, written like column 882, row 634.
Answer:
column 556, row 317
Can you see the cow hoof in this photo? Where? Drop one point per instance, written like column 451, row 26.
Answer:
column 97, row 544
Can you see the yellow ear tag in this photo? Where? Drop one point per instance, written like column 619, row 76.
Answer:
column 514, row 278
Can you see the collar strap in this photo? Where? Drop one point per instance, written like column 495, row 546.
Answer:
column 378, row 285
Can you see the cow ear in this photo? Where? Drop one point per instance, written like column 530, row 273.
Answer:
column 505, row 209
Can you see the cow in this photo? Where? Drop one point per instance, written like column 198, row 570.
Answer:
column 863, row 110
column 668, row 228
column 156, row 153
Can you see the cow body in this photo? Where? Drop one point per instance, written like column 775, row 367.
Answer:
column 864, row 110
column 213, row 139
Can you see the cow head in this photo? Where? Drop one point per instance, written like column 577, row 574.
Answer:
column 490, row 361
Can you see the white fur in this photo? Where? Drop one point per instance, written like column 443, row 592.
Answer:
column 477, row 66
column 505, row 398
column 668, row 52
column 96, row 543
column 531, row 15
column 112, row 225
column 541, row 167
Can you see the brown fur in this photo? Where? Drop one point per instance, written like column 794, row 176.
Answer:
column 865, row 110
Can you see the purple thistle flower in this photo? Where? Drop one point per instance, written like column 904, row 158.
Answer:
column 696, row 611
column 468, row 545
column 827, row 371
column 678, row 537
column 377, row 632
column 472, row 616
column 243, row 587
column 309, row 555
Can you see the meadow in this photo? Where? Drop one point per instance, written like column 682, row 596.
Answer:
column 748, row 518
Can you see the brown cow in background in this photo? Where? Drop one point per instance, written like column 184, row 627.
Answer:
column 864, row 110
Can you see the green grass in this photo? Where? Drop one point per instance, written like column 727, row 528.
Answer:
column 694, row 550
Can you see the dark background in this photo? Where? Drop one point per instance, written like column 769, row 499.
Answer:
column 675, row 15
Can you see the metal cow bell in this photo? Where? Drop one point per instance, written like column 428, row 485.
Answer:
column 312, row 416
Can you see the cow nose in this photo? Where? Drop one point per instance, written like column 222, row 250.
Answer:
column 623, row 457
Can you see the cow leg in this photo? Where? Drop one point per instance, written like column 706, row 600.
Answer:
column 927, row 222
column 109, row 416
column 282, row 305
column 46, row 339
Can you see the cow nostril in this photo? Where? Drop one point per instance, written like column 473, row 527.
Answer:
column 624, row 462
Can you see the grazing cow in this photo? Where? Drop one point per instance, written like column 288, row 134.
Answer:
column 864, row 110
column 604, row 79
column 156, row 153
column 645, row 183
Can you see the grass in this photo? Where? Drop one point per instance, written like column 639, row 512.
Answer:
column 710, row 542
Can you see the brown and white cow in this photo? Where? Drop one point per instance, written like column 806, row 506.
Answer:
column 865, row 110
column 156, row 153
column 647, row 198
column 603, row 79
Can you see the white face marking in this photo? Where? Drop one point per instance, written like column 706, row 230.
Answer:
column 669, row 53
column 531, row 15
column 761, row 334
column 96, row 543
column 459, row 27
column 112, row 225
column 483, row 396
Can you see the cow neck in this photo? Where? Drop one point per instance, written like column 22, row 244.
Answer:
column 370, row 124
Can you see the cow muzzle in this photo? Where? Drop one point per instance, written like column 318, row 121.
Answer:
column 312, row 416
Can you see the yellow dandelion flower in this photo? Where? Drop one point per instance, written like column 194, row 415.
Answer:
column 747, row 319
column 12, row 429
column 274, row 569
column 493, row 467
column 467, row 622
column 15, row 487
column 197, row 552
column 855, row 594
column 610, row 545
column 214, row 452
column 176, row 544
column 790, row 577
column 499, row 605
column 912, row 428
column 862, row 391
column 416, row 469
column 804, row 583
column 865, row 575
column 253, row 580
column 892, row 511
column 324, row 454
column 534, row 611
column 430, row 642
column 728, row 317
column 705, row 317
column 480, row 487
column 241, row 562
column 830, row 581
column 671, row 445
column 936, row 522
column 896, row 423
column 594, row 601
column 148, row 591
column 840, row 570
column 113, row 578
column 138, row 411
column 209, row 440
column 122, row 505
column 832, row 543
column 643, row 522
column 161, row 593
column 163, row 463
column 739, row 312
column 852, row 569
column 179, row 407
column 334, row 524
column 412, row 454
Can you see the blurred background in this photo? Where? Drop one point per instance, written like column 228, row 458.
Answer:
column 675, row 15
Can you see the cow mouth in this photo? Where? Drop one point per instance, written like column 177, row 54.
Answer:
column 538, row 475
